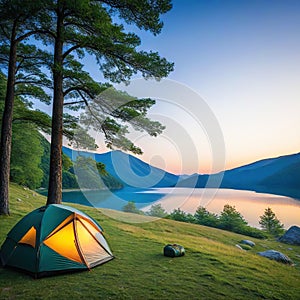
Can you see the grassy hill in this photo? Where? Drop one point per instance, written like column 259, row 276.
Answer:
column 213, row 268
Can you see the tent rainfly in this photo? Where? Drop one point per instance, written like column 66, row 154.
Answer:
column 54, row 239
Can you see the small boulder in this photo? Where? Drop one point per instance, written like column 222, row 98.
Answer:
column 246, row 247
column 19, row 200
column 276, row 255
column 248, row 242
column 292, row 236
column 239, row 247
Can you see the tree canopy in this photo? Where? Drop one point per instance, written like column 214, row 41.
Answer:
column 69, row 30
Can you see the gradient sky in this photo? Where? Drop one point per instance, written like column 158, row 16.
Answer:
column 243, row 58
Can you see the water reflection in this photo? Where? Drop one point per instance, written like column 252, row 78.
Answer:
column 250, row 204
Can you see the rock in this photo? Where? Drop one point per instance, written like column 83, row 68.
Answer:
column 248, row 242
column 292, row 236
column 245, row 247
column 239, row 247
column 276, row 255
column 18, row 199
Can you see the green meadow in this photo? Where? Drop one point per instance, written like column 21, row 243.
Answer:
column 213, row 267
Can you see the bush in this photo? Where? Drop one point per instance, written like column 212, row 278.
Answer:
column 230, row 219
column 204, row 217
column 251, row 231
column 130, row 207
column 179, row 215
column 156, row 210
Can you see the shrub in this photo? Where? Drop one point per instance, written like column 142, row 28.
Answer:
column 130, row 207
column 179, row 215
column 251, row 231
column 204, row 217
column 230, row 219
column 156, row 210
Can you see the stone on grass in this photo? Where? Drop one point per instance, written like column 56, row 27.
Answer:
column 292, row 236
column 239, row 247
column 276, row 255
column 248, row 242
column 246, row 247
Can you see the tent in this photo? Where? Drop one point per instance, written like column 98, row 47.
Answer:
column 53, row 239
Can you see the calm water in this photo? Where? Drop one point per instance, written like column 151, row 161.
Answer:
column 250, row 204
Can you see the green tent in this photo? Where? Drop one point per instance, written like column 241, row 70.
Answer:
column 54, row 239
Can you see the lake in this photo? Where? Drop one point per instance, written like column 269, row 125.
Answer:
column 250, row 204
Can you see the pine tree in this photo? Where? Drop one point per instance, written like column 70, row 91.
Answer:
column 204, row 217
column 156, row 210
column 230, row 219
column 270, row 223
column 77, row 28
column 16, row 25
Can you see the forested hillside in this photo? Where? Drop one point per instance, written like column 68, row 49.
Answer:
column 31, row 154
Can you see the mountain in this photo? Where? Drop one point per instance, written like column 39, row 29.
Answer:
column 128, row 169
column 280, row 175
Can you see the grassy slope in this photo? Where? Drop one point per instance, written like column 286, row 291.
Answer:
column 213, row 268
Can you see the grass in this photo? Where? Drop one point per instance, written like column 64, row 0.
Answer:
column 213, row 268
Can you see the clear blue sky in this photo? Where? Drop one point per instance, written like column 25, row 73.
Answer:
column 243, row 58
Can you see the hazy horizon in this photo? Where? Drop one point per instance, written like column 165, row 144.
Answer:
column 241, row 58
column 141, row 158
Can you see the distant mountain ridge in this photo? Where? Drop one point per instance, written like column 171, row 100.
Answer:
column 279, row 175
column 128, row 169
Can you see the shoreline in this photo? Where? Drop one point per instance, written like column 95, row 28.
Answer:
column 44, row 190
column 294, row 194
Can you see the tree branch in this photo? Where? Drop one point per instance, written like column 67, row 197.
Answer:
column 70, row 50
column 78, row 89
column 30, row 33
column 75, row 102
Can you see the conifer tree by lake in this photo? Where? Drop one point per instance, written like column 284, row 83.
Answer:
column 270, row 223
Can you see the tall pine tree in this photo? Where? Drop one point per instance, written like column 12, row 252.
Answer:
column 75, row 28
column 270, row 223
column 17, row 23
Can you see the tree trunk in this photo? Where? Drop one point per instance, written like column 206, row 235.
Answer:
column 55, row 174
column 6, row 129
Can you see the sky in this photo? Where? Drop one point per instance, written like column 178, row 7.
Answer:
column 240, row 60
